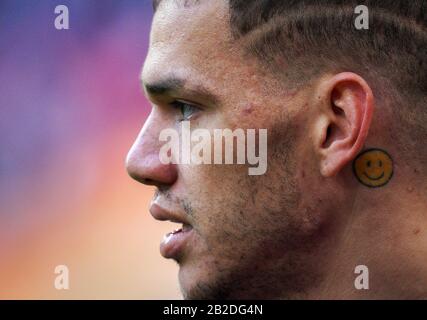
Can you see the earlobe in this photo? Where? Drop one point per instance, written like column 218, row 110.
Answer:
column 346, row 107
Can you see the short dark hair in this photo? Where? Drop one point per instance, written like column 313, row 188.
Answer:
column 300, row 30
column 315, row 35
column 310, row 37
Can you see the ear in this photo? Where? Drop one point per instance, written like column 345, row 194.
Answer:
column 346, row 104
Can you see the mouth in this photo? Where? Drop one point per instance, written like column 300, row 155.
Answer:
column 376, row 178
column 174, row 243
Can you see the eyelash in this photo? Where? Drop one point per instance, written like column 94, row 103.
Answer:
column 180, row 106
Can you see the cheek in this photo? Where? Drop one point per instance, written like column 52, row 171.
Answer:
column 247, row 110
column 214, row 190
column 224, row 207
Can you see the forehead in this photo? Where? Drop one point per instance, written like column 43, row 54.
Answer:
column 186, row 39
column 195, row 43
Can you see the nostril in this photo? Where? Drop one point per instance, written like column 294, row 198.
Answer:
column 149, row 182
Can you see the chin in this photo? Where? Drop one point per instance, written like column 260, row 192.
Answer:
column 190, row 276
column 202, row 282
column 195, row 282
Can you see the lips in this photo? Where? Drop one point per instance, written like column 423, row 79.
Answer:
column 175, row 242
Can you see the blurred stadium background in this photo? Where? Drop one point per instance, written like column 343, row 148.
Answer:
column 70, row 107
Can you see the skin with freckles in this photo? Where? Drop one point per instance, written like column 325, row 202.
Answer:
column 299, row 230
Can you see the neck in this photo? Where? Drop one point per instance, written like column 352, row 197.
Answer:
column 386, row 231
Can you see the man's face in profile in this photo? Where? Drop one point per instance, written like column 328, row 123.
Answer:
column 285, row 232
column 241, row 225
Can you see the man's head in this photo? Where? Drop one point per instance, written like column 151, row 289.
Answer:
column 301, row 70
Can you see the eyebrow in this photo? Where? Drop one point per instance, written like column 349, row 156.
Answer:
column 164, row 87
column 174, row 84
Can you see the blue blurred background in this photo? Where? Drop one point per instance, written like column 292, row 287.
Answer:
column 70, row 107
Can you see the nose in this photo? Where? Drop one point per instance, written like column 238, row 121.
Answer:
column 143, row 163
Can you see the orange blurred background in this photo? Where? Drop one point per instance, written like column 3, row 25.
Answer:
column 71, row 107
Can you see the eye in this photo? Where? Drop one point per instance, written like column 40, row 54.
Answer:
column 368, row 163
column 187, row 110
column 380, row 163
